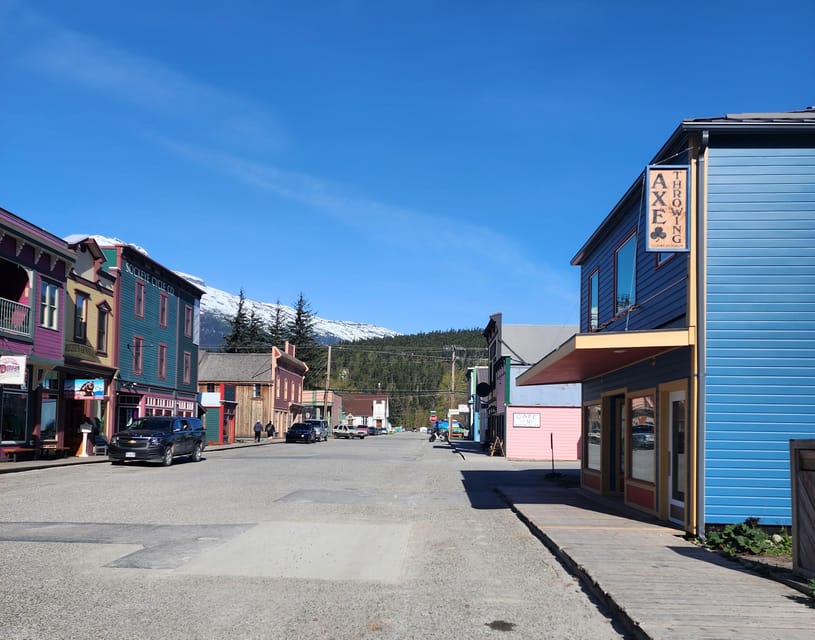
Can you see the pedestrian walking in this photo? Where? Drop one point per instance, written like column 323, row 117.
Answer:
column 269, row 429
column 258, row 430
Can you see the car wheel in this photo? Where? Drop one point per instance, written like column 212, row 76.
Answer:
column 196, row 453
column 167, row 460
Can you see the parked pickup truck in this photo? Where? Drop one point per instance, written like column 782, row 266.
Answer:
column 346, row 431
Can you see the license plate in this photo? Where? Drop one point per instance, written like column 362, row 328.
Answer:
column 130, row 454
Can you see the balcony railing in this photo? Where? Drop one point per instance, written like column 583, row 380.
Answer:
column 15, row 318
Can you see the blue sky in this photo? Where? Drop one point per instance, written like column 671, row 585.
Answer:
column 417, row 165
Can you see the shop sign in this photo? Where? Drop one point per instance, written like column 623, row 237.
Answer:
column 526, row 420
column 84, row 389
column 667, row 208
column 12, row 369
column 148, row 277
column 82, row 351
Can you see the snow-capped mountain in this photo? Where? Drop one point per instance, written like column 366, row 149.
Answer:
column 218, row 308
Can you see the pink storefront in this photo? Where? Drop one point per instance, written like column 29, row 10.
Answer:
column 542, row 433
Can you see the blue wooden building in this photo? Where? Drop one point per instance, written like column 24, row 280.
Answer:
column 156, row 337
column 696, row 350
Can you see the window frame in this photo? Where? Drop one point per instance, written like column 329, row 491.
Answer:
column 82, row 303
column 187, row 321
column 102, row 328
column 163, row 310
column 138, row 355
column 138, row 298
column 162, row 360
column 631, row 239
column 593, row 300
column 630, row 462
column 597, row 458
column 187, row 374
column 49, row 305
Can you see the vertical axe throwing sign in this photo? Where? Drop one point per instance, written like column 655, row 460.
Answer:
column 667, row 211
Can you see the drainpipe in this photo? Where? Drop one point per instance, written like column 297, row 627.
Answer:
column 701, row 356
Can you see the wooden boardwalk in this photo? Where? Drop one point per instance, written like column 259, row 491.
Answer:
column 658, row 584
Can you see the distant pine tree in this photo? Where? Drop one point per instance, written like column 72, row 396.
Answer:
column 278, row 332
column 257, row 337
column 302, row 335
column 237, row 339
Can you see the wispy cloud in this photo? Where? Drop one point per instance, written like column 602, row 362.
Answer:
column 145, row 84
column 166, row 97
column 402, row 228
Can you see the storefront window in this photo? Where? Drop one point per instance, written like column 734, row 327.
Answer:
column 643, row 438
column 13, row 415
column 593, row 431
column 48, row 417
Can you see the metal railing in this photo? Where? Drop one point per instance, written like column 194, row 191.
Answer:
column 15, row 317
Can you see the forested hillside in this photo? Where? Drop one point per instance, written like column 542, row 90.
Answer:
column 414, row 370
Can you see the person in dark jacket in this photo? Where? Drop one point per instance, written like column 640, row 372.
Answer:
column 258, row 430
column 270, row 430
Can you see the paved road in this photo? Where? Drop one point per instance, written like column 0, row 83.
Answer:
column 389, row 537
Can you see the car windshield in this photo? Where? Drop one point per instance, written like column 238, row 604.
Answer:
column 149, row 424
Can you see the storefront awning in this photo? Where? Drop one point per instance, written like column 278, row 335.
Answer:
column 588, row 355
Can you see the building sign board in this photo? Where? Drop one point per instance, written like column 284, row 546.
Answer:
column 667, row 208
column 526, row 420
column 82, row 388
column 12, row 369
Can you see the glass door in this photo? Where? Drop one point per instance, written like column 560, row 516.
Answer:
column 617, row 447
column 677, row 480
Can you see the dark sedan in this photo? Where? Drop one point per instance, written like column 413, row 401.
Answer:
column 301, row 432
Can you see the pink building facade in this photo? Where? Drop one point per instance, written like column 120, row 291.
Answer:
column 531, row 423
column 542, row 433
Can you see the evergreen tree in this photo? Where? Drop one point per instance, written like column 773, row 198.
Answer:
column 236, row 341
column 257, row 337
column 278, row 331
column 302, row 335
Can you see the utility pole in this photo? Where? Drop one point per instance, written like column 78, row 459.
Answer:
column 452, row 394
column 327, row 384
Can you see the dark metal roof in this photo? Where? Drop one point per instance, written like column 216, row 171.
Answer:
column 772, row 117
column 770, row 122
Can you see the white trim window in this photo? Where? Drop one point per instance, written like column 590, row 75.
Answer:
column 49, row 305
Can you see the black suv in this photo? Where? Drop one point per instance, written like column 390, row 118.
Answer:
column 301, row 432
column 159, row 438
column 320, row 428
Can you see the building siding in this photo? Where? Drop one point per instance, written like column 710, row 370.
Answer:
column 673, row 365
column 760, row 328
column 661, row 290
column 534, row 443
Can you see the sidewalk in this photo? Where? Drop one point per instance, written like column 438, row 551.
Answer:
column 654, row 582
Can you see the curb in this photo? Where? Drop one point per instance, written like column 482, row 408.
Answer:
column 615, row 612
column 38, row 465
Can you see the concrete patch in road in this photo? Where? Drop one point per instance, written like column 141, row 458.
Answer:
column 313, row 551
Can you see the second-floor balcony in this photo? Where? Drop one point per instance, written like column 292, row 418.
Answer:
column 15, row 318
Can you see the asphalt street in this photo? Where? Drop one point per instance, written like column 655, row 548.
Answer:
column 388, row 537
